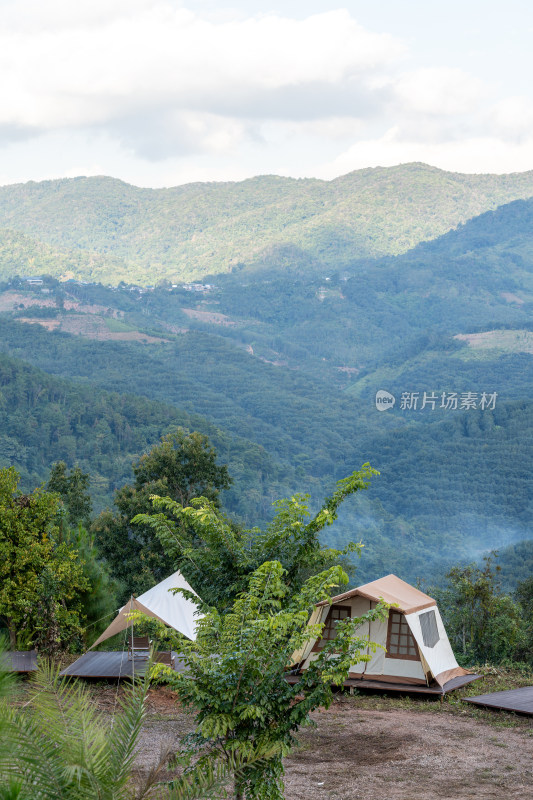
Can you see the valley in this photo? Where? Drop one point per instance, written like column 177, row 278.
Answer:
column 286, row 356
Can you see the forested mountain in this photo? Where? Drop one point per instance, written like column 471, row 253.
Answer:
column 23, row 254
column 114, row 231
column 280, row 362
column 44, row 419
column 440, row 495
column 384, row 312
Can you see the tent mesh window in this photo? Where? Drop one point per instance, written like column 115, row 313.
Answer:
column 329, row 632
column 400, row 641
column 430, row 632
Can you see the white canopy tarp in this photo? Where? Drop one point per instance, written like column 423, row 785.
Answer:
column 159, row 602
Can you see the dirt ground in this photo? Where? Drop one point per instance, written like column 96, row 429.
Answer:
column 402, row 755
column 376, row 748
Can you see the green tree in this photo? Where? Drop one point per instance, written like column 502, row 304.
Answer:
column 74, row 491
column 524, row 596
column 483, row 623
column 100, row 599
column 234, row 676
column 41, row 577
column 217, row 557
column 258, row 588
column 182, row 466
column 57, row 747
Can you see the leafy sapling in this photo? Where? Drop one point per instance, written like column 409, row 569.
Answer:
column 247, row 713
column 217, row 557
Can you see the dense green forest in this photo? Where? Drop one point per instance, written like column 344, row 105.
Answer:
column 436, row 479
column 387, row 311
column 515, row 564
column 279, row 364
column 45, row 419
column 23, row 254
column 145, row 235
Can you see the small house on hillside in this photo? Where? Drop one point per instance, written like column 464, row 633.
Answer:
column 415, row 652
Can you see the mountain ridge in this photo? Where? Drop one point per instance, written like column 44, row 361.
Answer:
column 187, row 232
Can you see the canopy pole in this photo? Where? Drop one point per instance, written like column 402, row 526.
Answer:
column 132, row 647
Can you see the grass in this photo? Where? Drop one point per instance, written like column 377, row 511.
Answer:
column 505, row 341
column 117, row 326
column 494, row 680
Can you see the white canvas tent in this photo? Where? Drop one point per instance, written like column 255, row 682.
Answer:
column 159, row 602
column 416, row 649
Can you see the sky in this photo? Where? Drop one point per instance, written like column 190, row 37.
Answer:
column 162, row 93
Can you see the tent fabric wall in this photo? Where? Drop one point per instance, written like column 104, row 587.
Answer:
column 440, row 658
column 437, row 662
column 160, row 603
column 376, row 632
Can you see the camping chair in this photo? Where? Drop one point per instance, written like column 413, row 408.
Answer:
column 164, row 657
column 139, row 647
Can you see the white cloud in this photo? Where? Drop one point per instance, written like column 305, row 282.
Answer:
column 55, row 15
column 164, row 58
column 226, row 94
column 439, row 91
column 512, row 117
column 477, row 154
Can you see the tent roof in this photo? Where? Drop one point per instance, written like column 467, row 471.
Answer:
column 391, row 589
column 160, row 603
column 173, row 609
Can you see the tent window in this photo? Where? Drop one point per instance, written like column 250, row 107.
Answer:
column 400, row 641
column 329, row 630
column 430, row 632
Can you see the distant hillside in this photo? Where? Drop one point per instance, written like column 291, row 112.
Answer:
column 516, row 564
column 23, row 254
column 286, row 362
column 448, row 490
column 385, row 312
column 106, row 230
column 44, row 418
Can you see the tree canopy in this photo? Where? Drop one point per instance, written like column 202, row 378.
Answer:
column 217, row 557
column 74, row 490
column 484, row 624
column 41, row 576
column 182, row 466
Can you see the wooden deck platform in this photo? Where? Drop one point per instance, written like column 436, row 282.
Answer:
column 406, row 688
column 110, row 664
column 21, row 661
column 517, row 700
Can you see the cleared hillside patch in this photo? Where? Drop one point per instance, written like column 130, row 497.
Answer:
column 509, row 341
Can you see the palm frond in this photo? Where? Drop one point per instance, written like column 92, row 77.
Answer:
column 212, row 772
column 59, row 746
column 30, row 756
column 121, row 740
